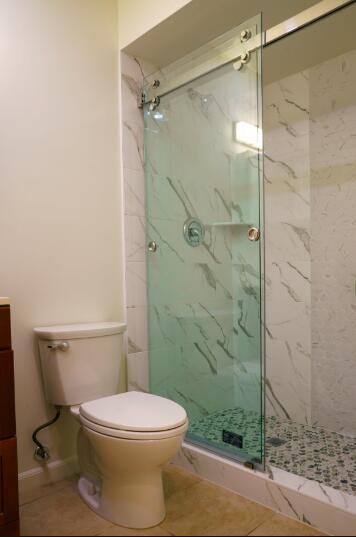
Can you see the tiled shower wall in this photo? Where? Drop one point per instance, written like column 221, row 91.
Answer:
column 310, row 255
column 135, row 218
column 333, row 242
column 310, row 171
column 288, row 255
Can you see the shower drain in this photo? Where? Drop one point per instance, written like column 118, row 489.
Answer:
column 276, row 442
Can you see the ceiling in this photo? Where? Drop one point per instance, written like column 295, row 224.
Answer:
column 200, row 21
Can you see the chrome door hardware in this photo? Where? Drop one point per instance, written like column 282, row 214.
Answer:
column 245, row 35
column 60, row 346
column 254, row 234
column 244, row 59
column 152, row 246
column 154, row 104
column 194, row 232
column 318, row 11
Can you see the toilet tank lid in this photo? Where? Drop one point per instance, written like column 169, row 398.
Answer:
column 79, row 331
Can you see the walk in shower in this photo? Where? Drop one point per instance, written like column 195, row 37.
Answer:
column 251, row 257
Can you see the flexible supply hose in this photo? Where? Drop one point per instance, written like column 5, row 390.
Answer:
column 41, row 451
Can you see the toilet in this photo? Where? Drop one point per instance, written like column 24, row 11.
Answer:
column 124, row 439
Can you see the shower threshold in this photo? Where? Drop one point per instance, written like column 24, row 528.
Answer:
column 311, row 452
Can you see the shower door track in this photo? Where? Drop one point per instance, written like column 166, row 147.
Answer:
column 242, row 460
column 276, row 33
column 304, row 18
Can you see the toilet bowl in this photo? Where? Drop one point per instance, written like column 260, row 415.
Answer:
column 133, row 436
column 124, row 439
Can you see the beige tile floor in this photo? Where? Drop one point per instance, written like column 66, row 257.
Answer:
column 194, row 507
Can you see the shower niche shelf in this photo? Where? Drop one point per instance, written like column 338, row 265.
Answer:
column 230, row 224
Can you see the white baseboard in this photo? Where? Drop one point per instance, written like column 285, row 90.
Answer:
column 47, row 474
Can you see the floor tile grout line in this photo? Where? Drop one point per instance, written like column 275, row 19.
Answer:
column 262, row 523
column 271, row 515
column 206, row 481
column 199, row 482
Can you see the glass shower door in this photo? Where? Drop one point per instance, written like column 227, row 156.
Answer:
column 203, row 158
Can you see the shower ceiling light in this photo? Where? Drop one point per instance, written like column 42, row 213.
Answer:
column 158, row 115
column 248, row 134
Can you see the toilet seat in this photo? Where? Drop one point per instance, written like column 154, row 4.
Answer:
column 135, row 416
column 132, row 435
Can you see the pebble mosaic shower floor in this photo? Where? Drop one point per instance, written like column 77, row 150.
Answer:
column 312, row 452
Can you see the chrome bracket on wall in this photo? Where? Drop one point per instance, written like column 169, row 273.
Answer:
column 154, row 102
column 141, row 100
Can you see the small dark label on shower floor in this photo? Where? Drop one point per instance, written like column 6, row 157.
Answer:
column 233, row 439
column 276, row 442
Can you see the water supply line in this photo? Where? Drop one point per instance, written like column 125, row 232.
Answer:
column 42, row 453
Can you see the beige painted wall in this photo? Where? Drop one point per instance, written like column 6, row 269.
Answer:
column 139, row 16
column 60, row 199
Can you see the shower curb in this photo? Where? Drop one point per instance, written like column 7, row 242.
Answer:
column 322, row 507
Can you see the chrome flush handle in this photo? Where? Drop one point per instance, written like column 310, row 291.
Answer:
column 60, row 346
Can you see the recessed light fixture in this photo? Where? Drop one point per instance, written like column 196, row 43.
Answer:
column 158, row 115
column 248, row 134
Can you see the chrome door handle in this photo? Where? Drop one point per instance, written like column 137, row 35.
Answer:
column 152, row 246
column 254, row 234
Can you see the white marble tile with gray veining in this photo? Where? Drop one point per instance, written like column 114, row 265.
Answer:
column 138, row 372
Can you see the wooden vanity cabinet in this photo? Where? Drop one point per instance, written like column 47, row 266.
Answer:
column 9, row 503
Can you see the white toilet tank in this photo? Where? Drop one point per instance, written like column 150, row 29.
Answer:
column 80, row 362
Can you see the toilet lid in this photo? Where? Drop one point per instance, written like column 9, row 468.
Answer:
column 135, row 411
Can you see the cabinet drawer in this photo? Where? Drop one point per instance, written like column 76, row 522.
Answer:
column 7, row 395
column 9, row 510
column 5, row 328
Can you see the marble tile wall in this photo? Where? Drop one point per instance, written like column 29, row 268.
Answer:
column 288, row 262
column 333, row 181
column 310, row 175
column 133, row 73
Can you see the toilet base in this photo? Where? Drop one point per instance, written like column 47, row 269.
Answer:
column 129, row 504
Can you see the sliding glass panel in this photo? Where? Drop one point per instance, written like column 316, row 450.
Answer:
column 203, row 147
